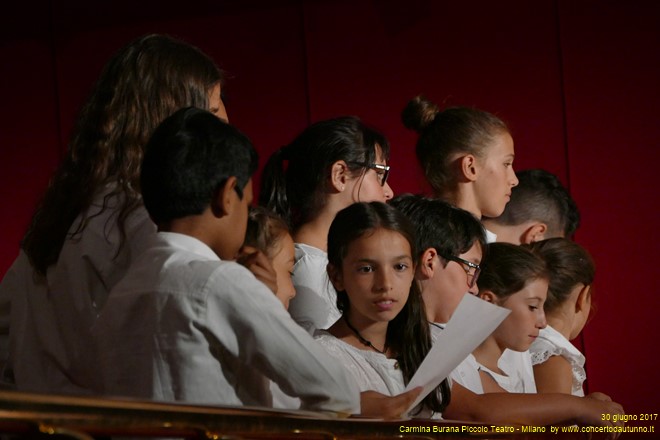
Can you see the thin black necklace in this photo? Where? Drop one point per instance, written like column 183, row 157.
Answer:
column 364, row 341
column 434, row 324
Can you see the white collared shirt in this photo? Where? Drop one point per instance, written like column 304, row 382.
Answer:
column 185, row 326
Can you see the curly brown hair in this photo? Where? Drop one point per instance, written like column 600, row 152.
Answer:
column 146, row 81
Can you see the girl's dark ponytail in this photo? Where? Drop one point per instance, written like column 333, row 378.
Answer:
column 273, row 194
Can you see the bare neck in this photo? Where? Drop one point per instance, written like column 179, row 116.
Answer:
column 374, row 333
column 196, row 226
column 433, row 305
column 488, row 353
column 462, row 197
column 560, row 324
column 315, row 232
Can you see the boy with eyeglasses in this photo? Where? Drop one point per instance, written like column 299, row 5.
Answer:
column 446, row 235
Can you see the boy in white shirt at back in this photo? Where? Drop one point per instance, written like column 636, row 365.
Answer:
column 187, row 323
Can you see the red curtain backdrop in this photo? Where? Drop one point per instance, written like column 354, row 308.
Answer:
column 577, row 81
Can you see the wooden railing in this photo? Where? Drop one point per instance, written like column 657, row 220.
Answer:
column 82, row 418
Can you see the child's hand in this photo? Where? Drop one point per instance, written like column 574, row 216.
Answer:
column 257, row 263
column 601, row 411
column 374, row 404
column 600, row 396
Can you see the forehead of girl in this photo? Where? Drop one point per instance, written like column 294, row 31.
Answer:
column 535, row 290
column 284, row 247
column 379, row 155
column 501, row 146
column 379, row 245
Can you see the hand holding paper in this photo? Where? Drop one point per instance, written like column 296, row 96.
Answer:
column 472, row 322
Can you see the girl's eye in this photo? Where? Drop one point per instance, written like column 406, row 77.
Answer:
column 533, row 308
column 400, row 267
column 365, row 269
column 508, row 164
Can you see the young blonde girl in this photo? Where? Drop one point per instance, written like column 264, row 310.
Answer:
column 466, row 154
column 268, row 233
column 558, row 364
column 515, row 279
column 329, row 166
column 382, row 336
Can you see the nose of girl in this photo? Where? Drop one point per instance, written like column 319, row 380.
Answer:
column 383, row 281
column 514, row 179
column 541, row 322
column 387, row 191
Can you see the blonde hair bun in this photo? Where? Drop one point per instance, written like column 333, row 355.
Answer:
column 419, row 113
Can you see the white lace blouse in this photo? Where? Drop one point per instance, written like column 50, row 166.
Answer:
column 371, row 370
column 552, row 343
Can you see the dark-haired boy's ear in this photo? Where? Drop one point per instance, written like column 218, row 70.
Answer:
column 223, row 201
column 428, row 264
column 339, row 175
column 488, row 296
column 469, row 167
column 335, row 277
column 536, row 232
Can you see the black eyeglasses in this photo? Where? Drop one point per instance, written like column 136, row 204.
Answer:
column 472, row 270
column 382, row 171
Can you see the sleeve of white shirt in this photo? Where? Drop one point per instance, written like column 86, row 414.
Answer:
column 467, row 375
column 314, row 306
column 252, row 323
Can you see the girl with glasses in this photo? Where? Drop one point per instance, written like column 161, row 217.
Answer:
column 466, row 154
column 329, row 166
column 558, row 365
column 382, row 336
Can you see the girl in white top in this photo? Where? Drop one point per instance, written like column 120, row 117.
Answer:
column 514, row 278
column 466, row 154
column 329, row 166
column 558, row 365
column 268, row 233
column 383, row 335
column 91, row 222
column 450, row 242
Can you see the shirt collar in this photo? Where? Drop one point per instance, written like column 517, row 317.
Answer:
column 189, row 243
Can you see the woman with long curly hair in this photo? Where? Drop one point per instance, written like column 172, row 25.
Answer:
column 91, row 222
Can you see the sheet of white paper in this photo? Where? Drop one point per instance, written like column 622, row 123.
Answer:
column 473, row 320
